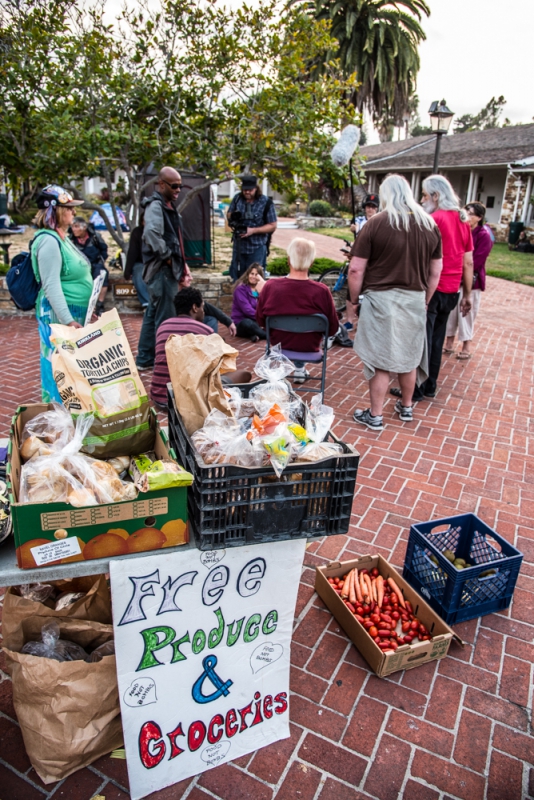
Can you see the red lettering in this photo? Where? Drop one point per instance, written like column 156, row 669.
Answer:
column 150, row 734
column 175, row 750
column 231, row 728
column 243, row 713
column 268, row 707
column 257, row 717
column 282, row 699
column 218, row 719
column 196, row 735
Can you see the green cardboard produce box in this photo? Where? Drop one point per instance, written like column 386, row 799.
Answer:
column 58, row 533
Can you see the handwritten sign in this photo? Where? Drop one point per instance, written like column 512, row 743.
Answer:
column 203, row 647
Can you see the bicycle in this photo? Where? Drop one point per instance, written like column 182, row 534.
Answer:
column 336, row 279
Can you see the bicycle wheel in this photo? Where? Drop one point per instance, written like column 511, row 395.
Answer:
column 336, row 280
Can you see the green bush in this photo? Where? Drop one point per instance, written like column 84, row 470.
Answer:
column 320, row 208
column 280, row 265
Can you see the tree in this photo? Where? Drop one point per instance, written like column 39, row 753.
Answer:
column 378, row 40
column 487, row 118
column 188, row 84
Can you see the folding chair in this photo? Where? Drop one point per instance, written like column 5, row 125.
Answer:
column 301, row 324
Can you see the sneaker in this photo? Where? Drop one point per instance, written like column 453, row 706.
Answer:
column 330, row 341
column 405, row 412
column 348, row 325
column 366, row 418
column 300, row 375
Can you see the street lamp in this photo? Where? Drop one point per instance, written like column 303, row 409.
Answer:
column 440, row 120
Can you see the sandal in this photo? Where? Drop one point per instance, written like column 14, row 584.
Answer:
column 447, row 351
column 463, row 356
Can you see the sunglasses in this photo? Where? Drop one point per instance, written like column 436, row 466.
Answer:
column 173, row 186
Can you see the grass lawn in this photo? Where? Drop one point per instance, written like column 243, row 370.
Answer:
column 337, row 233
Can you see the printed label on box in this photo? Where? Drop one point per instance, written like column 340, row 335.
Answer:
column 54, row 551
column 100, row 515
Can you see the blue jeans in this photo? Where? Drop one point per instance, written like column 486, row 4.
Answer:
column 140, row 285
column 162, row 290
column 211, row 322
column 242, row 261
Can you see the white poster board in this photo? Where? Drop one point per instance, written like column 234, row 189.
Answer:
column 97, row 286
column 203, row 648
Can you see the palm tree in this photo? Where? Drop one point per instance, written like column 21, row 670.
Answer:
column 378, row 39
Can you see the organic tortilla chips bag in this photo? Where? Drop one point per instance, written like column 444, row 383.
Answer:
column 95, row 373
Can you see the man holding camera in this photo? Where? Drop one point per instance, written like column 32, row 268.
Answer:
column 252, row 218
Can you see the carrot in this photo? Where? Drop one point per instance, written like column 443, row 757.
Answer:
column 352, row 588
column 373, row 587
column 357, row 587
column 380, row 590
column 363, row 586
column 345, row 586
column 367, row 580
column 397, row 591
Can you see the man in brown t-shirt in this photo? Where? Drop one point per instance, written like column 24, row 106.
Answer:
column 395, row 263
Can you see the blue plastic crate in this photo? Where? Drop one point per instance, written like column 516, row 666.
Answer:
column 461, row 594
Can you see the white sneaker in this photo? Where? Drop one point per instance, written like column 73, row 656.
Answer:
column 300, row 375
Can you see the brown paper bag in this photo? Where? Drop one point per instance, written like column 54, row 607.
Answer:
column 195, row 366
column 68, row 712
column 95, row 606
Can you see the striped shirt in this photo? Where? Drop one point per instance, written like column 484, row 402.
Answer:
column 179, row 326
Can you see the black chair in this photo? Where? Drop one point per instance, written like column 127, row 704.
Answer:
column 300, row 323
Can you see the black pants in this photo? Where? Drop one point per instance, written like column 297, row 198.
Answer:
column 437, row 314
column 248, row 328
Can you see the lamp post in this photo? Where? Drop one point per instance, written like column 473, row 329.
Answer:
column 440, row 120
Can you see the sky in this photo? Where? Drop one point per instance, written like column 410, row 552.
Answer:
column 474, row 51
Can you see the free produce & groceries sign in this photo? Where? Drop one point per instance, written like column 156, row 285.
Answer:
column 203, row 645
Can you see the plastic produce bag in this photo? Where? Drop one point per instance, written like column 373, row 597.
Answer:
column 278, row 446
column 149, row 473
column 210, row 441
column 274, row 366
column 319, row 419
column 53, row 647
column 37, row 592
column 46, row 433
column 317, row 451
column 106, row 649
column 67, row 599
column 234, row 398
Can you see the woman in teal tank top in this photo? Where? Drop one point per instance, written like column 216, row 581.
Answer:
column 64, row 274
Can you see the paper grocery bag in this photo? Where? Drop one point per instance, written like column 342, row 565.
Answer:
column 68, row 711
column 95, row 606
column 195, row 366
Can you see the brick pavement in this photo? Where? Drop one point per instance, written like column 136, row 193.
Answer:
column 455, row 729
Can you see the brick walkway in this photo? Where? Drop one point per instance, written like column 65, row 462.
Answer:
column 458, row 728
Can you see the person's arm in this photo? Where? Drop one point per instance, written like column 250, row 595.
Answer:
column 102, row 246
column 214, row 311
column 331, row 314
column 467, row 284
column 153, row 230
column 357, row 269
column 49, row 263
column 269, row 226
column 436, row 265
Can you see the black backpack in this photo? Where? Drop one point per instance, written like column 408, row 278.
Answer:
column 21, row 282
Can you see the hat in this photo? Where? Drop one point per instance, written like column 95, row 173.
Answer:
column 371, row 200
column 249, row 182
column 53, row 195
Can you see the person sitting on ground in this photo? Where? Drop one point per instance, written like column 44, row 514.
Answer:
column 189, row 306
column 523, row 244
column 396, row 263
column 94, row 248
column 212, row 314
column 245, row 302
column 297, row 295
column 482, row 244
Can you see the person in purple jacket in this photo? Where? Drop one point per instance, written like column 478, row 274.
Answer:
column 482, row 244
column 246, row 294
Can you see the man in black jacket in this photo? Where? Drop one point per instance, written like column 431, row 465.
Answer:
column 163, row 259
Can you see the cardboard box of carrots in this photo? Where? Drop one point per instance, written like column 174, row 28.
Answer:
column 389, row 623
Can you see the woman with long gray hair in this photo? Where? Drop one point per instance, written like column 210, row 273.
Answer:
column 396, row 264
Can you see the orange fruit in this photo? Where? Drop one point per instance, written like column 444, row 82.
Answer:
column 79, row 557
column 105, row 545
column 24, row 553
column 145, row 539
column 175, row 531
column 119, row 532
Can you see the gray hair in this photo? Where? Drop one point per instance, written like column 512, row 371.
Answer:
column 301, row 254
column 447, row 199
column 397, row 200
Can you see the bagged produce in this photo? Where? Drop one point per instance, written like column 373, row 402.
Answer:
column 149, row 473
column 47, row 433
column 53, row 647
column 95, row 374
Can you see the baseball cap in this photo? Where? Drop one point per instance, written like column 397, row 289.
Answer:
column 371, row 200
column 249, row 182
column 53, row 195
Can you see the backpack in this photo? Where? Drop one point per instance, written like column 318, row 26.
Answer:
column 21, row 282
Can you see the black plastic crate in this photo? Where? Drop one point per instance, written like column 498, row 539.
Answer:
column 461, row 594
column 231, row 506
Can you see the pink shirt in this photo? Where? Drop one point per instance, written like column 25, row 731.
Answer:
column 457, row 240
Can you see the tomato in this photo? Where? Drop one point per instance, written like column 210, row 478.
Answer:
column 385, row 646
column 424, row 638
column 373, row 631
column 394, row 644
column 359, row 610
column 360, row 619
column 408, row 639
column 384, row 634
column 331, row 580
column 395, row 615
column 386, row 618
column 409, row 607
column 350, row 606
column 375, row 573
column 414, row 625
column 406, row 626
column 366, row 609
column 422, row 629
column 364, row 572
column 394, row 599
column 378, row 640
column 367, row 623
column 337, row 591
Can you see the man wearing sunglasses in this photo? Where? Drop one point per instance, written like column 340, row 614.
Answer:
column 163, row 259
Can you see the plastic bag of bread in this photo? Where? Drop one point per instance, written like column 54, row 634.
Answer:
column 53, row 647
column 317, row 451
column 47, row 432
column 217, row 431
column 319, row 419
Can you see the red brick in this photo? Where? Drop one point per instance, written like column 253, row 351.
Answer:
column 232, row 784
column 114, row 768
column 242, row 761
column 6, row 699
column 327, row 655
column 515, row 744
column 333, row 759
column 488, row 650
column 414, row 730
column 420, row 678
column 505, row 778
column 15, row 788
column 386, row 775
column 311, row 627
column 416, row 791
column 299, row 654
column 447, row 777
column 523, row 605
column 197, row 794
column 472, row 741
column 496, row 709
column 12, row 746
column 82, row 785
column 333, row 790
column 510, row 627
column 353, row 656
column 397, row 696
column 304, row 595
column 531, row 783
column 345, row 688
column 444, row 702
column 307, row 685
column 365, row 726
column 516, row 648
column 270, row 762
column 300, row 782
column 173, row 792
column 331, row 547
column 515, row 681
column 321, row 720
column 112, row 792
column 465, row 673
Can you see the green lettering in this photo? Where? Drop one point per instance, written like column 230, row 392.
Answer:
column 216, row 634
column 154, row 643
column 232, row 638
column 177, row 655
column 199, row 642
column 253, row 621
column 269, row 623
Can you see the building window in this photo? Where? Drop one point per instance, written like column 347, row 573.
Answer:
column 490, row 202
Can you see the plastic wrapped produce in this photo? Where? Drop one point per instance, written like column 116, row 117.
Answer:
column 47, row 432
column 53, row 647
column 38, row 592
column 106, row 649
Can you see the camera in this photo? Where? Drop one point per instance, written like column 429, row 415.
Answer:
column 237, row 222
